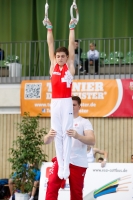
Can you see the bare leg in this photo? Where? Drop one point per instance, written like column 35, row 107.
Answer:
column 36, row 184
column 11, row 187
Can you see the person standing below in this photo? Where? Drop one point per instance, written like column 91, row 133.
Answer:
column 82, row 135
column 62, row 71
column 93, row 58
column 91, row 155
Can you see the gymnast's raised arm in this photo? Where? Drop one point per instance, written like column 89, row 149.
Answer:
column 50, row 41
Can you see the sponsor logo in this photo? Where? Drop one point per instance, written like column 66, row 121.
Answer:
column 57, row 73
column 76, row 125
column 83, row 174
column 48, row 170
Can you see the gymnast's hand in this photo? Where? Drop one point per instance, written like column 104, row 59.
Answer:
column 72, row 133
column 72, row 23
column 47, row 22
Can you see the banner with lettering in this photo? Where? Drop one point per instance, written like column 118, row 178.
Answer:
column 100, row 98
column 114, row 181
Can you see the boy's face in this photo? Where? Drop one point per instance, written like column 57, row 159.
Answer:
column 100, row 160
column 76, row 107
column 92, row 47
column 76, row 45
column 61, row 58
column 32, row 165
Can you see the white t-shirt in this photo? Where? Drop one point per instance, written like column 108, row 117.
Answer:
column 93, row 54
column 79, row 150
column 90, row 156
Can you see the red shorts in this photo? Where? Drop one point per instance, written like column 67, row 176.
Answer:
column 76, row 180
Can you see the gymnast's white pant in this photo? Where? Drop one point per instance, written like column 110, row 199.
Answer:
column 61, row 121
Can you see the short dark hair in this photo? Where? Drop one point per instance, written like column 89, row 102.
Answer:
column 62, row 49
column 77, row 41
column 100, row 158
column 76, row 98
column 131, row 155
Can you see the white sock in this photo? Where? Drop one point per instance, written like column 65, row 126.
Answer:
column 60, row 172
column 31, row 198
column 66, row 172
column 10, row 198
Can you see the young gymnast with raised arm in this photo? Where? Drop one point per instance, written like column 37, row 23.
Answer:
column 62, row 71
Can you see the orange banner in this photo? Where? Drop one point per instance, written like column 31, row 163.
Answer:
column 100, row 98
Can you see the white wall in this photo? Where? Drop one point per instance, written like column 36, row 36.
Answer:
column 9, row 98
